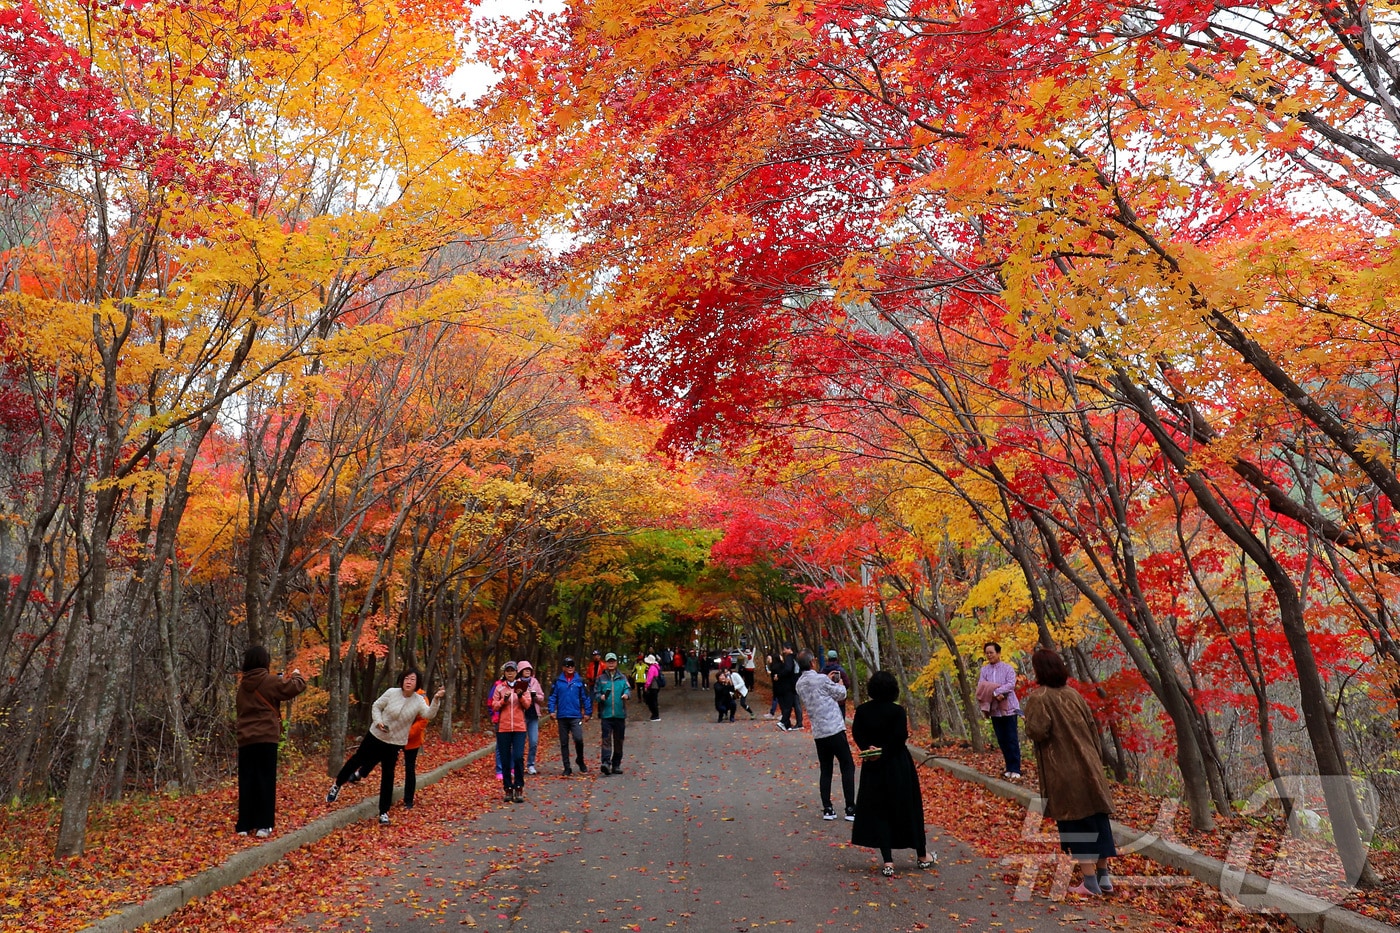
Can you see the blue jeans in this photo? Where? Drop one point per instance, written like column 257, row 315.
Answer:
column 532, row 733
column 510, row 746
column 1009, row 741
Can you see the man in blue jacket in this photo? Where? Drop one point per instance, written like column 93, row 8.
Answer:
column 571, row 706
column 613, row 693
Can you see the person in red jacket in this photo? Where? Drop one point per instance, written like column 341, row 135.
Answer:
column 259, row 730
column 594, row 670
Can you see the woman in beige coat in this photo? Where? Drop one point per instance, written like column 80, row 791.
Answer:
column 1076, row 793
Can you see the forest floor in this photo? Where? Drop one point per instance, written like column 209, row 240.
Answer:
column 1305, row 864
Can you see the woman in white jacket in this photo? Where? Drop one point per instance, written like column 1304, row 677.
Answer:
column 393, row 715
column 741, row 691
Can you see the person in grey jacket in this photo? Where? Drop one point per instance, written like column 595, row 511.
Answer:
column 821, row 695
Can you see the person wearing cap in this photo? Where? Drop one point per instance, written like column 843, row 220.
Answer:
column 511, row 699
column 526, row 670
column 834, row 664
column 651, row 686
column 593, row 670
column 612, row 692
column 571, row 705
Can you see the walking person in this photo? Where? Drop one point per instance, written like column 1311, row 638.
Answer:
column 890, row 805
column 785, row 687
column 526, row 671
column 748, row 673
column 651, row 687
column 707, row 664
column 692, row 667
column 822, row 695
column 511, row 699
column 392, row 715
column 772, row 667
column 741, row 692
column 724, row 697
column 1076, row 794
column 594, row 670
column 678, row 665
column 259, row 731
column 613, row 692
column 996, row 696
column 571, row 705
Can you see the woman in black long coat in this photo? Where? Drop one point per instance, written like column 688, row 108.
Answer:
column 889, row 804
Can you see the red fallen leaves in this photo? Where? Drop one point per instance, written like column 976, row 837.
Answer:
column 994, row 827
column 136, row 846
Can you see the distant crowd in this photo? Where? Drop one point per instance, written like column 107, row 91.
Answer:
column 887, row 813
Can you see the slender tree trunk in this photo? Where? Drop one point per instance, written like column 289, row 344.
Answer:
column 184, row 754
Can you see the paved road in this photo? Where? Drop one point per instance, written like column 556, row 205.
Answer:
column 711, row 827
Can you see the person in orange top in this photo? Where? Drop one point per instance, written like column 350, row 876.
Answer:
column 594, row 669
column 410, row 757
column 511, row 699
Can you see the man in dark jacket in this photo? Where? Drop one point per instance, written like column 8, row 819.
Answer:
column 785, row 674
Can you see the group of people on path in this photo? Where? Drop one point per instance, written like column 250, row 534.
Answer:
column 887, row 811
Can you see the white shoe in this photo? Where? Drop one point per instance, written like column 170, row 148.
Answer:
column 532, row 770
column 263, row 833
column 1015, row 775
column 383, row 819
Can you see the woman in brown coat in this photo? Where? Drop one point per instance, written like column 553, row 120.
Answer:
column 259, row 729
column 1076, row 794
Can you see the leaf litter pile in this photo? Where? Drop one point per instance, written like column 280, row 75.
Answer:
column 137, row 845
column 1309, row 865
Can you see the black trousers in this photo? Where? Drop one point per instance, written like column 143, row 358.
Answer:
column 257, row 787
column 787, row 702
column 650, row 696
column 370, row 753
column 614, row 733
column 570, row 727
column 835, row 748
column 410, row 774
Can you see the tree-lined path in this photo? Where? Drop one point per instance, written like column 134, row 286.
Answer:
column 711, row 827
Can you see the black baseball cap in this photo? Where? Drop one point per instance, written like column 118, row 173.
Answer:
column 568, row 662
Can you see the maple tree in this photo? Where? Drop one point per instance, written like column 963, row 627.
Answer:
column 820, row 206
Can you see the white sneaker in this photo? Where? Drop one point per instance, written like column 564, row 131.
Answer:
column 263, row 833
column 532, row 770
column 383, row 819
column 1015, row 775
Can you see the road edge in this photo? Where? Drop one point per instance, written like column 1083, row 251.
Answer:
column 1305, row 910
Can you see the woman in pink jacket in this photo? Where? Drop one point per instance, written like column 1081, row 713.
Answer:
column 511, row 698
